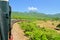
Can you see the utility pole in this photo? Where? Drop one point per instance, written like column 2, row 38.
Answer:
column 4, row 19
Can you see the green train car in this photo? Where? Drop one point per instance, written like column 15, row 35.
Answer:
column 5, row 19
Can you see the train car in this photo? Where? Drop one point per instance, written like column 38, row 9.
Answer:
column 5, row 20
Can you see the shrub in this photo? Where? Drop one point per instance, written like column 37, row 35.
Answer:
column 36, row 33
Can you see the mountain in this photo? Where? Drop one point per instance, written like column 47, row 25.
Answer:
column 33, row 15
column 57, row 15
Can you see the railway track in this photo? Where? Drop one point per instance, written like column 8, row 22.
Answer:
column 14, row 21
column 17, row 32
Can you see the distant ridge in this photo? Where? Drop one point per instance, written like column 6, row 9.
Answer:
column 35, row 15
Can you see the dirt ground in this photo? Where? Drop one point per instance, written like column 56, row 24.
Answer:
column 18, row 33
column 48, row 24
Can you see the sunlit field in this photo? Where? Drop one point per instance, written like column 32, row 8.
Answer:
column 38, row 26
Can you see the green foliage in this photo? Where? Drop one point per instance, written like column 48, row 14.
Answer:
column 30, row 16
column 43, row 37
column 56, row 18
column 33, row 16
column 31, row 30
column 35, row 33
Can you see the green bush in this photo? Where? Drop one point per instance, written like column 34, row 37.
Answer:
column 35, row 33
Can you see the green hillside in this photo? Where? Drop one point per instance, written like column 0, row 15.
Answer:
column 34, row 16
column 33, row 30
column 56, row 15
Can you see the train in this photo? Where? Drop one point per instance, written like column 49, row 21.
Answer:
column 5, row 20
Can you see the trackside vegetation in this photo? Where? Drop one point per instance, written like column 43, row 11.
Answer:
column 33, row 32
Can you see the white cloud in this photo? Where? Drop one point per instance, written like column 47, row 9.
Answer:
column 32, row 8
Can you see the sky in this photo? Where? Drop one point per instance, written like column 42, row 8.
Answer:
column 42, row 6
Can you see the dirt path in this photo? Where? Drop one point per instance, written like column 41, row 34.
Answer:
column 18, row 33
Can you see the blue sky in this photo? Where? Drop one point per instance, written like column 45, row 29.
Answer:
column 43, row 6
